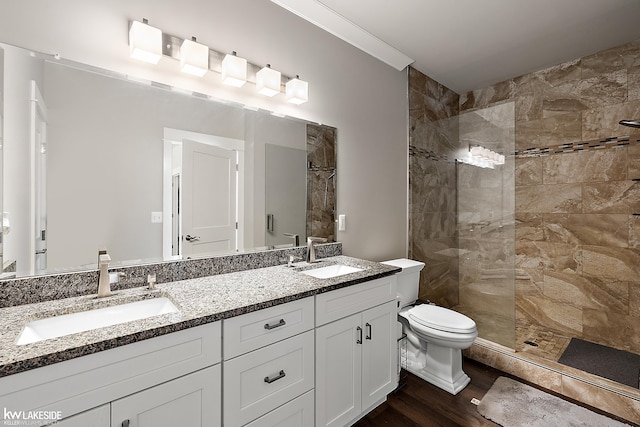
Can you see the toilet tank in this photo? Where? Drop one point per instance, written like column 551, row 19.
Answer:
column 408, row 279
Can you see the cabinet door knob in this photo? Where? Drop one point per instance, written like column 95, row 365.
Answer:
column 125, row 423
column 275, row 325
column 359, row 340
column 368, row 326
column 269, row 380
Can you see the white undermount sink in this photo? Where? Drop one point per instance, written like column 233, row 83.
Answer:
column 67, row 324
column 331, row 271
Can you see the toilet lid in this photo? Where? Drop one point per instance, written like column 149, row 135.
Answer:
column 442, row 319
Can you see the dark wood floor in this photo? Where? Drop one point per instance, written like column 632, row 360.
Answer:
column 420, row 404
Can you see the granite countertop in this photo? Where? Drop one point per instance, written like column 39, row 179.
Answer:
column 199, row 301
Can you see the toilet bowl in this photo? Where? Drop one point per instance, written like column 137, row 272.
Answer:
column 435, row 335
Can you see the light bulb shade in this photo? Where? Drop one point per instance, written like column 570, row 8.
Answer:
column 297, row 91
column 268, row 81
column 234, row 70
column 145, row 42
column 194, row 58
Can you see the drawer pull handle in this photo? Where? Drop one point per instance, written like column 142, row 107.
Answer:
column 276, row 378
column 125, row 423
column 359, row 340
column 368, row 325
column 268, row 327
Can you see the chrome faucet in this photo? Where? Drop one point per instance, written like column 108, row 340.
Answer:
column 311, row 250
column 295, row 237
column 104, row 282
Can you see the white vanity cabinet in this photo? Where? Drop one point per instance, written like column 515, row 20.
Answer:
column 186, row 360
column 269, row 365
column 355, row 350
column 192, row 400
column 96, row 417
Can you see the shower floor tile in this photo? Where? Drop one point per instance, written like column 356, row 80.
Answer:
column 550, row 344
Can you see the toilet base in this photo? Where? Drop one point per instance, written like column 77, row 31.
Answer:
column 440, row 366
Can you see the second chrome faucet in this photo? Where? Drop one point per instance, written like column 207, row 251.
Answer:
column 311, row 250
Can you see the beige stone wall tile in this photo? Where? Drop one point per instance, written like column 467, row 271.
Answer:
column 551, row 314
column 574, row 289
column 587, row 229
column 613, row 329
column 417, row 80
column 428, row 172
column 484, row 97
column 621, row 197
column 529, row 227
column 586, row 166
column 528, row 171
column 528, row 107
column 603, row 122
column 560, row 257
column 554, row 130
column 602, row 399
column 634, row 161
column 633, row 84
column 439, row 138
column 529, row 265
column 557, row 198
column 634, row 301
column 608, row 263
column 560, row 102
column 610, row 60
column 562, row 73
column 471, row 177
column 634, row 232
column 615, row 58
column 416, row 108
column 593, row 92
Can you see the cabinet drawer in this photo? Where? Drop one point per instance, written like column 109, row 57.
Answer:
column 85, row 382
column 251, row 331
column 297, row 413
column 344, row 302
column 258, row 382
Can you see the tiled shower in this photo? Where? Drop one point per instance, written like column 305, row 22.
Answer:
column 545, row 247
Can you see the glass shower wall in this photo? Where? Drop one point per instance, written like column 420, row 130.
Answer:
column 486, row 224
column 461, row 217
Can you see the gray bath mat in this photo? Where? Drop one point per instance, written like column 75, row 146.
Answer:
column 513, row 404
column 617, row 365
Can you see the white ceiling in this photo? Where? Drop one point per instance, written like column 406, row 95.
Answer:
column 470, row 44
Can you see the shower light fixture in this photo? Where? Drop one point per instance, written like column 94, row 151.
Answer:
column 234, row 70
column 487, row 155
column 268, row 81
column 297, row 91
column 145, row 42
column 194, row 57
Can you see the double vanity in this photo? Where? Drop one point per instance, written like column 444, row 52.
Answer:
column 311, row 344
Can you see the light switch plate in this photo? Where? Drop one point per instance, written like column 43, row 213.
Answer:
column 342, row 222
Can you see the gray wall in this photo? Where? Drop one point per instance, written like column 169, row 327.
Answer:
column 364, row 98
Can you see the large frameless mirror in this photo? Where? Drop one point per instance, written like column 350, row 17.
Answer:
column 94, row 160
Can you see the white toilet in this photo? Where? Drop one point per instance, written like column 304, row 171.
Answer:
column 435, row 335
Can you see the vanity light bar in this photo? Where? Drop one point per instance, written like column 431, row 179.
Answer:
column 149, row 44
